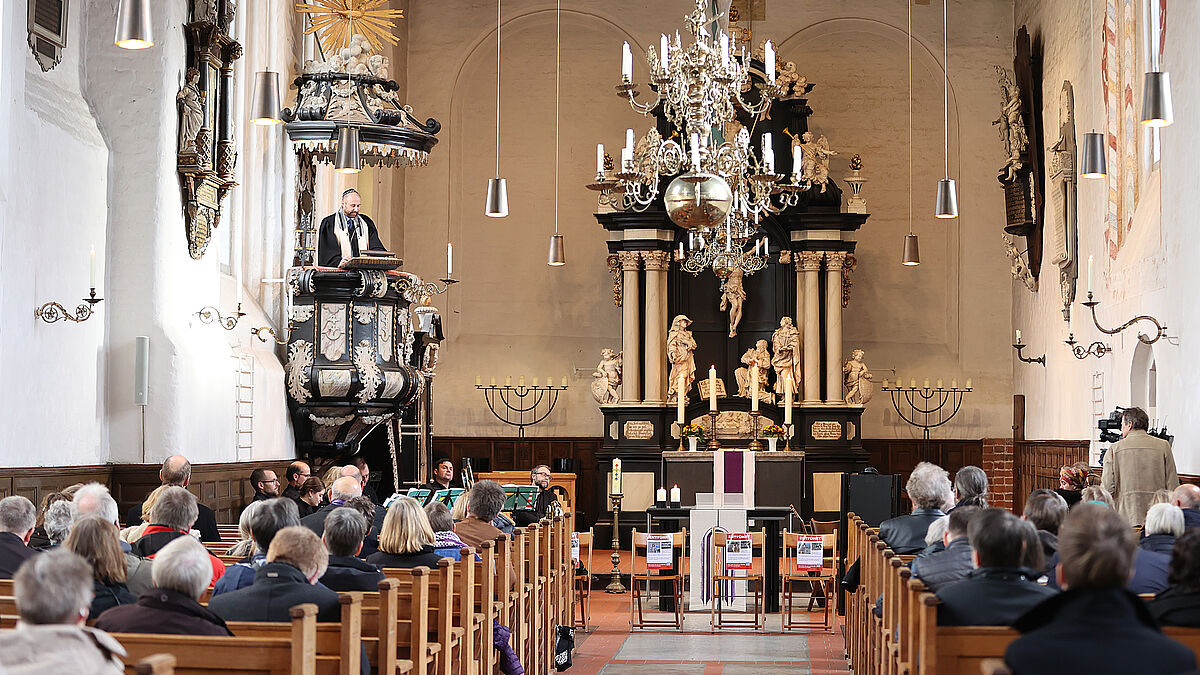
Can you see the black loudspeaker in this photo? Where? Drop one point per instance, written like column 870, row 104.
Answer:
column 874, row 497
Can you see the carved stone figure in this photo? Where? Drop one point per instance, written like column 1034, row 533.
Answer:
column 758, row 355
column 680, row 349
column 816, row 158
column 606, row 380
column 1019, row 266
column 1011, row 126
column 204, row 10
column 732, row 297
column 191, row 111
column 785, row 341
column 859, row 387
column 1063, row 197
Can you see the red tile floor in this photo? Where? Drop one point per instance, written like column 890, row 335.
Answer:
column 612, row 648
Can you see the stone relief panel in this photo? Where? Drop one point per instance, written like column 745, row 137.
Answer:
column 333, row 331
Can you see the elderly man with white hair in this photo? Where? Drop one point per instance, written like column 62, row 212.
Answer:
column 93, row 499
column 54, row 593
column 347, row 487
column 928, row 488
column 1151, row 564
column 17, row 520
column 181, row 574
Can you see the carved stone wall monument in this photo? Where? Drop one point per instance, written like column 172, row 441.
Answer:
column 680, row 349
column 606, row 379
column 1063, row 196
column 859, row 385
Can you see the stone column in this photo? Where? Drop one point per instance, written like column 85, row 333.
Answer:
column 631, row 339
column 657, row 263
column 810, row 266
column 833, row 326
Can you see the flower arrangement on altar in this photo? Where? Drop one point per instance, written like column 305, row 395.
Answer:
column 692, row 431
column 773, row 431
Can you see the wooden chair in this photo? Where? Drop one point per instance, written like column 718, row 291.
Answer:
column 583, row 583
column 338, row 646
column 825, row 579
column 637, row 617
column 754, row 577
column 195, row 654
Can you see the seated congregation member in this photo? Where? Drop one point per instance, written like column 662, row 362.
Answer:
column 1187, row 498
column 406, row 539
column 265, row 484
column 447, row 543
column 1045, row 510
column 177, row 470
column 138, row 527
column 54, row 594
column 268, row 519
column 365, row 471
column 1000, row 588
column 1095, row 625
column 295, row 561
column 953, row 563
column 295, row 475
column 928, row 488
column 96, row 542
column 17, row 520
column 970, row 487
column 39, row 540
column 344, row 532
column 1072, row 479
column 245, row 543
column 56, row 524
column 172, row 517
column 1152, row 559
column 345, row 487
column 542, row 506
column 93, row 499
column 171, row 606
column 1097, row 495
column 935, row 537
column 367, row 509
column 486, row 500
column 312, row 496
column 1179, row 605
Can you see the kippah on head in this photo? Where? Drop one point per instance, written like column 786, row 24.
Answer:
column 348, row 192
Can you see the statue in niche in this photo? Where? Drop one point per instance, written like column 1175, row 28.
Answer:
column 732, row 297
column 607, row 378
column 1011, row 126
column 760, row 356
column 859, row 387
column 786, row 343
column 191, row 111
column 816, row 158
column 680, row 349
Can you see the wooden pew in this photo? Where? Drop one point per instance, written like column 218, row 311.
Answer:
column 211, row 655
column 396, row 623
column 487, row 601
column 155, row 664
column 442, row 629
column 338, row 646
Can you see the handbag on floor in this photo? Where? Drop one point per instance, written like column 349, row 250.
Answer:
column 564, row 644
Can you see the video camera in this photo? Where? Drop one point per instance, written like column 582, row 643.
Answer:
column 1110, row 427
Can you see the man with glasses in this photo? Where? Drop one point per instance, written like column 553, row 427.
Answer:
column 542, row 505
column 265, row 484
column 297, row 472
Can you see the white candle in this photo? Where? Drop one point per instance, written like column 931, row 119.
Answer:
column 535, row 381
column 770, row 62
column 449, row 260
column 754, row 388
column 968, row 383
column 626, row 159
column 92, row 271
column 508, row 380
column 787, row 401
column 662, row 57
column 681, row 250
column 954, row 384
column 599, row 158
column 1070, row 324
column 1018, row 336
column 766, row 246
column 616, row 477
column 696, row 152
column 521, row 381
column 912, row 384
column 724, row 50
column 478, row 380
column 926, row 383
column 660, row 495
column 626, row 63
column 679, row 400
column 564, row 381
column 768, row 153
column 674, row 494
column 885, row 382
column 492, row 381
column 1090, row 274
column 797, row 159
column 238, row 290
column 757, row 246
column 939, row 383
column 629, row 139
column 712, row 388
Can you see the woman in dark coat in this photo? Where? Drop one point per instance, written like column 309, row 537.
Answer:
column 407, row 539
column 97, row 542
column 1179, row 605
column 1071, row 481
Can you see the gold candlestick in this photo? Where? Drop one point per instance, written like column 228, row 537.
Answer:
column 615, row 585
column 713, row 443
column 755, row 444
column 787, row 437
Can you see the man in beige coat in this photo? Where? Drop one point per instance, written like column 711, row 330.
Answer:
column 1137, row 466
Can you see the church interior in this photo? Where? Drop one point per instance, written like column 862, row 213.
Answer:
column 780, row 310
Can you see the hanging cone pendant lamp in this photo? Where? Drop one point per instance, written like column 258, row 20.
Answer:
column 912, row 251
column 497, row 192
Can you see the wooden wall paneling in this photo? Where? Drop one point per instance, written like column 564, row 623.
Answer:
column 1036, row 465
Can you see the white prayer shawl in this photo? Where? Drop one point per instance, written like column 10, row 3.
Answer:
column 342, row 232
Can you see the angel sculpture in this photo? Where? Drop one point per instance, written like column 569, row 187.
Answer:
column 859, row 387
column 1010, row 125
column 816, row 159
column 607, row 377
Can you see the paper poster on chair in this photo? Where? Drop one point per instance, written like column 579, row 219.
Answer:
column 739, row 551
column 658, row 552
column 575, row 546
column 810, row 552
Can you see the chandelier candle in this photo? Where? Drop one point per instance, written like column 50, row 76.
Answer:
column 663, row 50
column 768, row 153
column 626, row 63
column 769, row 61
column 724, row 51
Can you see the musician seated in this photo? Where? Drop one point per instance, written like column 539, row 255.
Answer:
column 345, row 234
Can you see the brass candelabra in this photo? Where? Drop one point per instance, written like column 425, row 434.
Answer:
column 1160, row 328
column 615, row 585
column 1097, row 349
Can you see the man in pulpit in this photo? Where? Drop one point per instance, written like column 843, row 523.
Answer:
column 345, row 234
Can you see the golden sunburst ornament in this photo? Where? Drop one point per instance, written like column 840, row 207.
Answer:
column 336, row 21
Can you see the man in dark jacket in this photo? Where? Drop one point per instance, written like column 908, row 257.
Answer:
column 265, row 484
column 344, row 531
column 541, row 506
column 342, row 490
column 295, row 475
column 953, row 563
column 295, row 560
column 17, row 520
column 173, row 515
column 1187, row 497
column 1095, row 626
column 929, row 489
column 181, row 573
column 443, row 475
column 271, row 516
column 177, row 470
column 999, row 590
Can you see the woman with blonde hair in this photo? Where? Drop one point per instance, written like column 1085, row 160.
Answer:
column 95, row 540
column 407, row 540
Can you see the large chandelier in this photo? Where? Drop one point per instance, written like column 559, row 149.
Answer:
column 699, row 91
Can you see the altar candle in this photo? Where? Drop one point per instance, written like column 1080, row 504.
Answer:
column 599, row 158
column 92, row 271
column 521, row 381
column 478, row 380
column 968, row 383
column 768, row 153
column 712, row 388
column 626, row 63
column 680, row 396
column 550, row 381
column 449, row 260
column 660, row 495
column 616, row 477
column 696, row 152
column 754, row 388
column 663, row 48
column 492, row 381
column 674, row 494
column 1090, row 274
column 535, row 381
column 508, row 380
column 770, row 62
column 1018, row 336
column 724, row 50
column 787, row 401
column 926, row 383
column 939, row 383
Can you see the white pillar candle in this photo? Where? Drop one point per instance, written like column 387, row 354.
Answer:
column 912, row 384
column 660, row 495
column 535, row 381
column 675, row 494
column 681, row 250
column 954, row 384
column 1070, row 324
column 754, row 388
column 696, row 152
column 797, row 159
column 492, row 381
column 1090, row 260
column 449, row 260
column 712, row 388
column 766, row 246
column 626, row 63
column 926, row 383
column 770, row 62
column 680, row 395
column 626, row 158
column 885, row 383
column 521, row 381
column 599, row 158
column 787, row 401
column 92, row 270
column 508, row 380
column 629, row 139
column 662, row 57
column 724, row 50
column 1018, row 336
column 939, row 383
column 616, row 477
column 968, row 383
column 478, row 380
column 768, row 153
column 564, row 381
